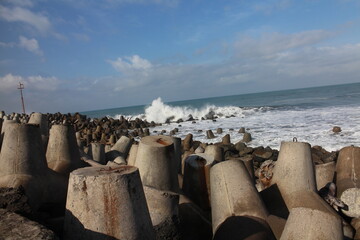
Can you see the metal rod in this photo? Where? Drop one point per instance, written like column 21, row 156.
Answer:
column 21, row 87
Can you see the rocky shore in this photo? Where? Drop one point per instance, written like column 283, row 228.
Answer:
column 66, row 176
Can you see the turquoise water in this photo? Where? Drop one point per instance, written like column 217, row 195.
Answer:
column 308, row 114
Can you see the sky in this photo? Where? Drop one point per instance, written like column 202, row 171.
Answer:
column 82, row 55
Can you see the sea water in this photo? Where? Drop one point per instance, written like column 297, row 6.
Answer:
column 307, row 114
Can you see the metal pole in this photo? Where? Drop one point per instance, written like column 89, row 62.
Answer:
column 21, row 87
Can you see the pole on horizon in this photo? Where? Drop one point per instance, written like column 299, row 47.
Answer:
column 21, row 87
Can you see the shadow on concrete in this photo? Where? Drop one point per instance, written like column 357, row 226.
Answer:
column 243, row 227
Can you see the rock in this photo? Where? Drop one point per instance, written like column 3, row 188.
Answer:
column 242, row 130
column 246, row 151
column 336, row 129
column 15, row 200
column 330, row 157
column 262, row 153
column 210, row 115
column 16, row 227
column 190, row 118
column 169, row 119
column 219, row 131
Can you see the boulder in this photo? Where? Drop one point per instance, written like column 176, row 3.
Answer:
column 336, row 129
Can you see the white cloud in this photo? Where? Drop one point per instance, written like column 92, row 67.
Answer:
column 300, row 61
column 7, row 45
column 43, row 83
column 19, row 14
column 31, row 45
column 272, row 43
column 129, row 64
column 10, row 82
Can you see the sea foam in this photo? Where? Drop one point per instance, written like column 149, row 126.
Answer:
column 160, row 112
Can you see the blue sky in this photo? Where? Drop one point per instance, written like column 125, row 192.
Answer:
column 91, row 54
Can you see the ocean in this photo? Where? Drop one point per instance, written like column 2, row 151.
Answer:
column 309, row 114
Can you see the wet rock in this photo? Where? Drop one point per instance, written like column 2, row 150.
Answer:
column 180, row 120
column 190, row 118
column 242, row 130
column 219, row 131
column 336, row 129
column 210, row 115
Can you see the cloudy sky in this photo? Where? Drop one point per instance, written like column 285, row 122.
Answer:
column 91, row 54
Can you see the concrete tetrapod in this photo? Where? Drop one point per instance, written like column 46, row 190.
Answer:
column 123, row 145
column 106, row 203
column 1, row 122
column 132, row 155
column 97, row 152
column 164, row 212
column 324, row 173
column 156, row 162
column 23, row 163
column 216, row 152
column 62, row 151
column 347, row 179
column 3, row 129
column 120, row 150
column 236, row 207
column 42, row 121
column 177, row 152
column 294, row 170
column 196, row 181
column 309, row 224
